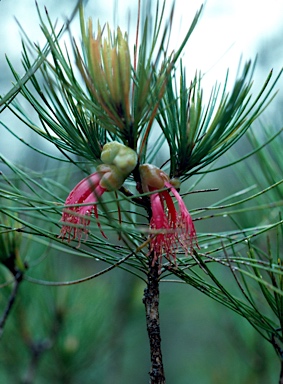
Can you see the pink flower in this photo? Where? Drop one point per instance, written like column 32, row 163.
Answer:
column 87, row 191
column 118, row 162
column 107, row 177
column 171, row 228
column 162, row 223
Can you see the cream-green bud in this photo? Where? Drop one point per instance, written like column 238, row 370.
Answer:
column 111, row 177
column 123, row 157
column 109, row 152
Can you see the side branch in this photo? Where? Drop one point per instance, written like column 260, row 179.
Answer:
column 18, row 279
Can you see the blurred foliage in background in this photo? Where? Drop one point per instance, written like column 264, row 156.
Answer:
column 95, row 331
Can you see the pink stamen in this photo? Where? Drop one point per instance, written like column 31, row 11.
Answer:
column 87, row 191
column 177, row 226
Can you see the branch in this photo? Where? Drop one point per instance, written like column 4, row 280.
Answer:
column 18, row 279
column 151, row 302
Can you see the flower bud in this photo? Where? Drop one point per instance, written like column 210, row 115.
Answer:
column 124, row 158
column 152, row 177
column 107, row 72
column 175, row 182
column 111, row 177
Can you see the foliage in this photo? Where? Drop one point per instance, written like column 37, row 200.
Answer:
column 79, row 110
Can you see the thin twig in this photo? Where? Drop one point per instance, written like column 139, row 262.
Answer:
column 37, row 348
column 18, row 279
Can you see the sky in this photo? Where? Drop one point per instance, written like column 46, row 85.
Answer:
column 227, row 31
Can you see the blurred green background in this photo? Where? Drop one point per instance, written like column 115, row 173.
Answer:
column 95, row 332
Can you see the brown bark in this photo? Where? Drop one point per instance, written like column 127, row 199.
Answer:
column 281, row 373
column 151, row 302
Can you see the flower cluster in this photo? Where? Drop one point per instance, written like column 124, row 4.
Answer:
column 118, row 162
column 170, row 228
column 107, row 72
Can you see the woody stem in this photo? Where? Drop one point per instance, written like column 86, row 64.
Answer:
column 18, row 278
column 281, row 372
column 151, row 302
